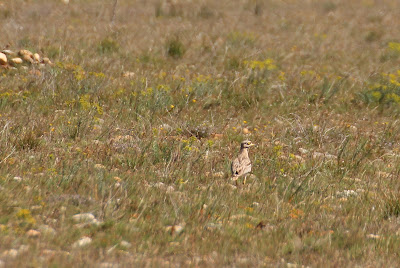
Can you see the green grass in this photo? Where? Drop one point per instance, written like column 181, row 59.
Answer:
column 149, row 153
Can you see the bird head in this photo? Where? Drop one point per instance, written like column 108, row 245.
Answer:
column 246, row 144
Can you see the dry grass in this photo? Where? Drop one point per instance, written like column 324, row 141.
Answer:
column 137, row 122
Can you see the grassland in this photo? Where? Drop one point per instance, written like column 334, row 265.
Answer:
column 146, row 104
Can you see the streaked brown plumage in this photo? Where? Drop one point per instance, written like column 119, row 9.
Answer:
column 241, row 165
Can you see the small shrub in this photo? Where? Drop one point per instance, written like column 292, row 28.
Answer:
column 384, row 91
column 175, row 48
column 108, row 45
column 28, row 140
column 206, row 12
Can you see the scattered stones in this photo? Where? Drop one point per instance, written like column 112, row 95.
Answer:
column 219, row 174
column 373, row 236
column 47, row 230
column 51, row 253
column 316, row 128
column 233, row 187
column 11, row 253
column 16, row 61
column 25, row 52
column 212, row 226
column 3, row 59
column 383, row 174
column 217, row 136
column 9, row 52
column 10, row 59
column 85, row 220
column 128, row 74
column 36, row 57
column 170, row 189
column 47, row 61
column 84, row 241
column 83, row 217
column 160, row 185
column 23, row 248
column 33, row 233
column 36, row 208
column 298, row 158
column 318, row 155
column 108, row 264
column 99, row 167
column 28, row 58
column 346, row 193
column 174, row 229
column 125, row 244
column 353, row 129
column 303, row 151
column 17, row 179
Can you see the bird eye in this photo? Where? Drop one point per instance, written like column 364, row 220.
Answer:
column 248, row 143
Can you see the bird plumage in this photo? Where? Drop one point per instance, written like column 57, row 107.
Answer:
column 241, row 165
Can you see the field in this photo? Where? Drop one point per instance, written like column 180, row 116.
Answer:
column 118, row 154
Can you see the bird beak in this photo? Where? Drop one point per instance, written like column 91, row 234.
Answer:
column 251, row 145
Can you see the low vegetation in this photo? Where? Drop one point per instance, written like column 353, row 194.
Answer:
column 118, row 153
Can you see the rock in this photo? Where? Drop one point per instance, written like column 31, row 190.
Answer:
column 33, row 233
column 47, row 230
column 3, row 59
column 11, row 253
column 99, row 166
column 36, row 208
column 84, row 241
column 303, row 151
column 160, row 185
column 49, row 253
column 316, row 128
column 83, row 217
column 16, row 61
column 128, row 74
column 233, row 187
column 298, row 158
column 36, row 57
column 219, row 174
column 111, row 250
column 170, row 189
column 17, row 179
column 47, row 61
column 24, row 52
column 174, row 229
column 107, row 264
column 9, row 52
column 212, row 226
column 23, row 248
column 346, row 193
column 318, row 155
column 373, row 236
column 245, row 131
column 28, row 58
column 125, row 244
column 117, row 179
column 2, row 264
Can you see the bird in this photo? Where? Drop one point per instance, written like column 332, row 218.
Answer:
column 241, row 165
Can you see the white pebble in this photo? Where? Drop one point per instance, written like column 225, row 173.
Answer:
column 83, row 217
column 84, row 241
